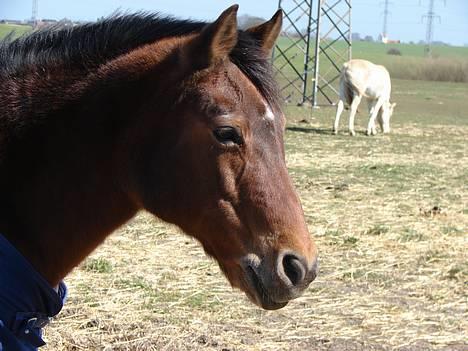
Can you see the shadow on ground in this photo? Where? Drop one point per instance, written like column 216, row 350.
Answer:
column 323, row 131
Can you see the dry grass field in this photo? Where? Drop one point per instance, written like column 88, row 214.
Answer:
column 389, row 214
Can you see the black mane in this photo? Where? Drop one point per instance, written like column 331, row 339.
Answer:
column 86, row 47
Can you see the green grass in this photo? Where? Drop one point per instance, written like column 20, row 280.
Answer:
column 98, row 265
column 377, row 52
column 411, row 235
column 377, row 229
column 17, row 30
column 457, row 272
column 157, row 298
column 453, row 230
column 442, row 103
column 434, row 103
column 448, row 64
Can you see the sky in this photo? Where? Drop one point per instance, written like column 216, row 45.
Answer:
column 405, row 22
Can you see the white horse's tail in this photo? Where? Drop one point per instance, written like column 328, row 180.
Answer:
column 347, row 90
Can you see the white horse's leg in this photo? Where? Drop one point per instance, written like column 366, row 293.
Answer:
column 353, row 107
column 371, row 106
column 339, row 110
column 371, row 126
column 380, row 120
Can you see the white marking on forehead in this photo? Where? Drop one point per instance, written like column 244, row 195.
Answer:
column 226, row 115
column 268, row 113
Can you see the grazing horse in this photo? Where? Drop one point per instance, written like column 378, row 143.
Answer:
column 178, row 118
column 361, row 78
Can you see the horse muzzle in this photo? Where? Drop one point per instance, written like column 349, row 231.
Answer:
column 272, row 283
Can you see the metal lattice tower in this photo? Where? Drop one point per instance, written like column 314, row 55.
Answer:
column 34, row 12
column 315, row 42
column 430, row 16
column 385, row 19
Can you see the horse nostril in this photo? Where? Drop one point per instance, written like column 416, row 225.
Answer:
column 294, row 269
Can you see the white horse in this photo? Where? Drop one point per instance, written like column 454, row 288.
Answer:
column 361, row 78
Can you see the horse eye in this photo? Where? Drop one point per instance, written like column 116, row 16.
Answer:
column 228, row 136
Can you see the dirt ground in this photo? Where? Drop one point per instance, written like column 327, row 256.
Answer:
column 389, row 214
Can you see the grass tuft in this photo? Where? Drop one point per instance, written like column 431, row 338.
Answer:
column 98, row 265
column 411, row 235
column 377, row 229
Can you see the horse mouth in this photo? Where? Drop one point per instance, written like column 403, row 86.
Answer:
column 257, row 292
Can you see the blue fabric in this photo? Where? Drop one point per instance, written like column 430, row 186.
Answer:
column 27, row 301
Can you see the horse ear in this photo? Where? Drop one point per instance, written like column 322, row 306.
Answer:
column 215, row 41
column 268, row 32
column 393, row 105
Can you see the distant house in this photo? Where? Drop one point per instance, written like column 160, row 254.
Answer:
column 64, row 22
column 49, row 20
column 384, row 39
column 17, row 22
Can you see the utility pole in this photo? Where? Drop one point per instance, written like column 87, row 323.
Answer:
column 34, row 13
column 430, row 16
column 385, row 19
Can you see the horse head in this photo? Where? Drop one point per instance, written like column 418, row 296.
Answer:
column 222, row 177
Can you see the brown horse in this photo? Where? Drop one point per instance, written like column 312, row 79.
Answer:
column 179, row 118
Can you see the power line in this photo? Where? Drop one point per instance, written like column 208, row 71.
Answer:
column 430, row 16
column 385, row 19
column 34, row 12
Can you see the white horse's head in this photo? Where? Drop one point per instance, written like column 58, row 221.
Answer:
column 385, row 114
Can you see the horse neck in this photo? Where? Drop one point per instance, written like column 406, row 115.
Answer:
column 66, row 184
